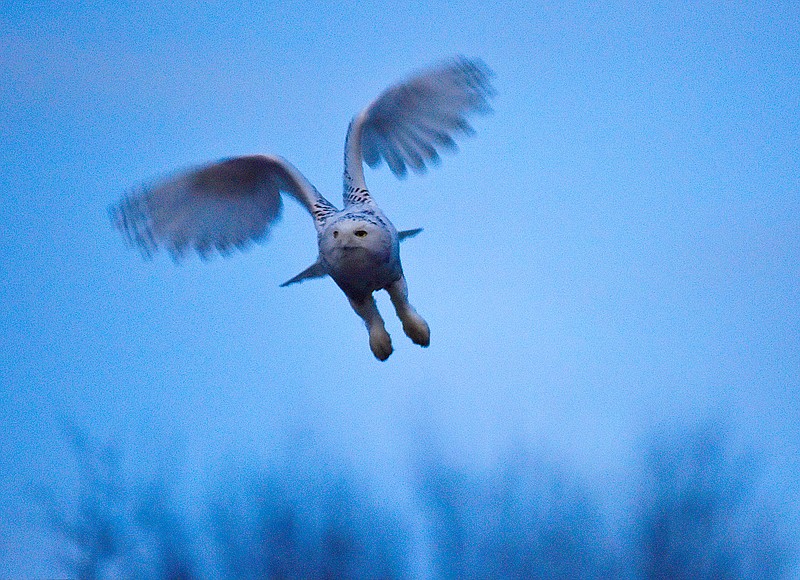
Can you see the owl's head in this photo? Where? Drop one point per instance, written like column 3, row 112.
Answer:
column 353, row 233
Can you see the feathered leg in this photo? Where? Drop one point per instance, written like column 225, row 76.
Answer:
column 379, row 340
column 414, row 325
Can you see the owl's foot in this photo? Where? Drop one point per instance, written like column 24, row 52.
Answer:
column 414, row 325
column 380, row 342
column 416, row 329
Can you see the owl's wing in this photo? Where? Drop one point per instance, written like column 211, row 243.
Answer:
column 220, row 206
column 409, row 123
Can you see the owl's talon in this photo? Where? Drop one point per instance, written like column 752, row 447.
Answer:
column 380, row 342
column 417, row 329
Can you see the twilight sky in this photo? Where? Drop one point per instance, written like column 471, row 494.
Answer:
column 615, row 251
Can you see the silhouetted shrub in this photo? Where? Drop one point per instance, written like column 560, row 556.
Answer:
column 697, row 516
column 112, row 530
column 302, row 520
column 526, row 520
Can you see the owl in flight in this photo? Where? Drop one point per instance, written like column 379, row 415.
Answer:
column 229, row 204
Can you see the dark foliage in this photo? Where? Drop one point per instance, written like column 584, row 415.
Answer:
column 284, row 525
column 116, row 530
column 696, row 517
column 525, row 520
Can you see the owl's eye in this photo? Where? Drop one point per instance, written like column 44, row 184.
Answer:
column 335, row 233
column 360, row 233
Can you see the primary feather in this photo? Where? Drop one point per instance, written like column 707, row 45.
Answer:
column 410, row 122
column 219, row 206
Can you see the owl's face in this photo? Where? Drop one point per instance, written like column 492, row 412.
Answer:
column 353, row 234
column 353, row 246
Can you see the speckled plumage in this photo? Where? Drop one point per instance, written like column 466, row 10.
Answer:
column 229, row 204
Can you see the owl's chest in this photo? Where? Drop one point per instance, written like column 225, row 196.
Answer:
column 359, row 271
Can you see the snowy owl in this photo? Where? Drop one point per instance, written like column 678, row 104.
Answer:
column 226, row 205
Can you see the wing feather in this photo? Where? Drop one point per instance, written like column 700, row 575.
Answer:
column 410, row 145
column 422, row 146
column 217, row 207
column 408, row 123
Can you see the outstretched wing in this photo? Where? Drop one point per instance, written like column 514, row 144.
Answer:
column 409, row 123
column 221, row 206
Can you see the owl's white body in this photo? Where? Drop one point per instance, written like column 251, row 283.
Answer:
column 360, row 263
column 360, row 250
column 231, row 203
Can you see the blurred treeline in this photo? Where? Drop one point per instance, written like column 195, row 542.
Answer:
column 696, row 515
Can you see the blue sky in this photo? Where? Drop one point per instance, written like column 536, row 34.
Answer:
column 616, row 250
